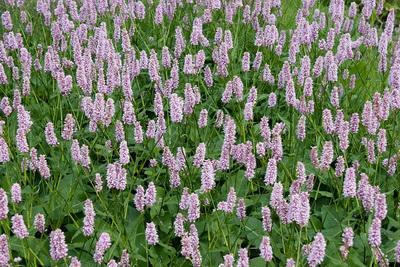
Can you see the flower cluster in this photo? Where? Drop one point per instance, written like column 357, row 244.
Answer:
column 216, row 132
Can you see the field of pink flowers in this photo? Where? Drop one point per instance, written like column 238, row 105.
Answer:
column 199, row 133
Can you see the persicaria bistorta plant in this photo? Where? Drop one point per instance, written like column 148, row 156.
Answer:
column 199, row 133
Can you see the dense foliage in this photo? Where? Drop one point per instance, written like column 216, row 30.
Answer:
column 199, row 133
